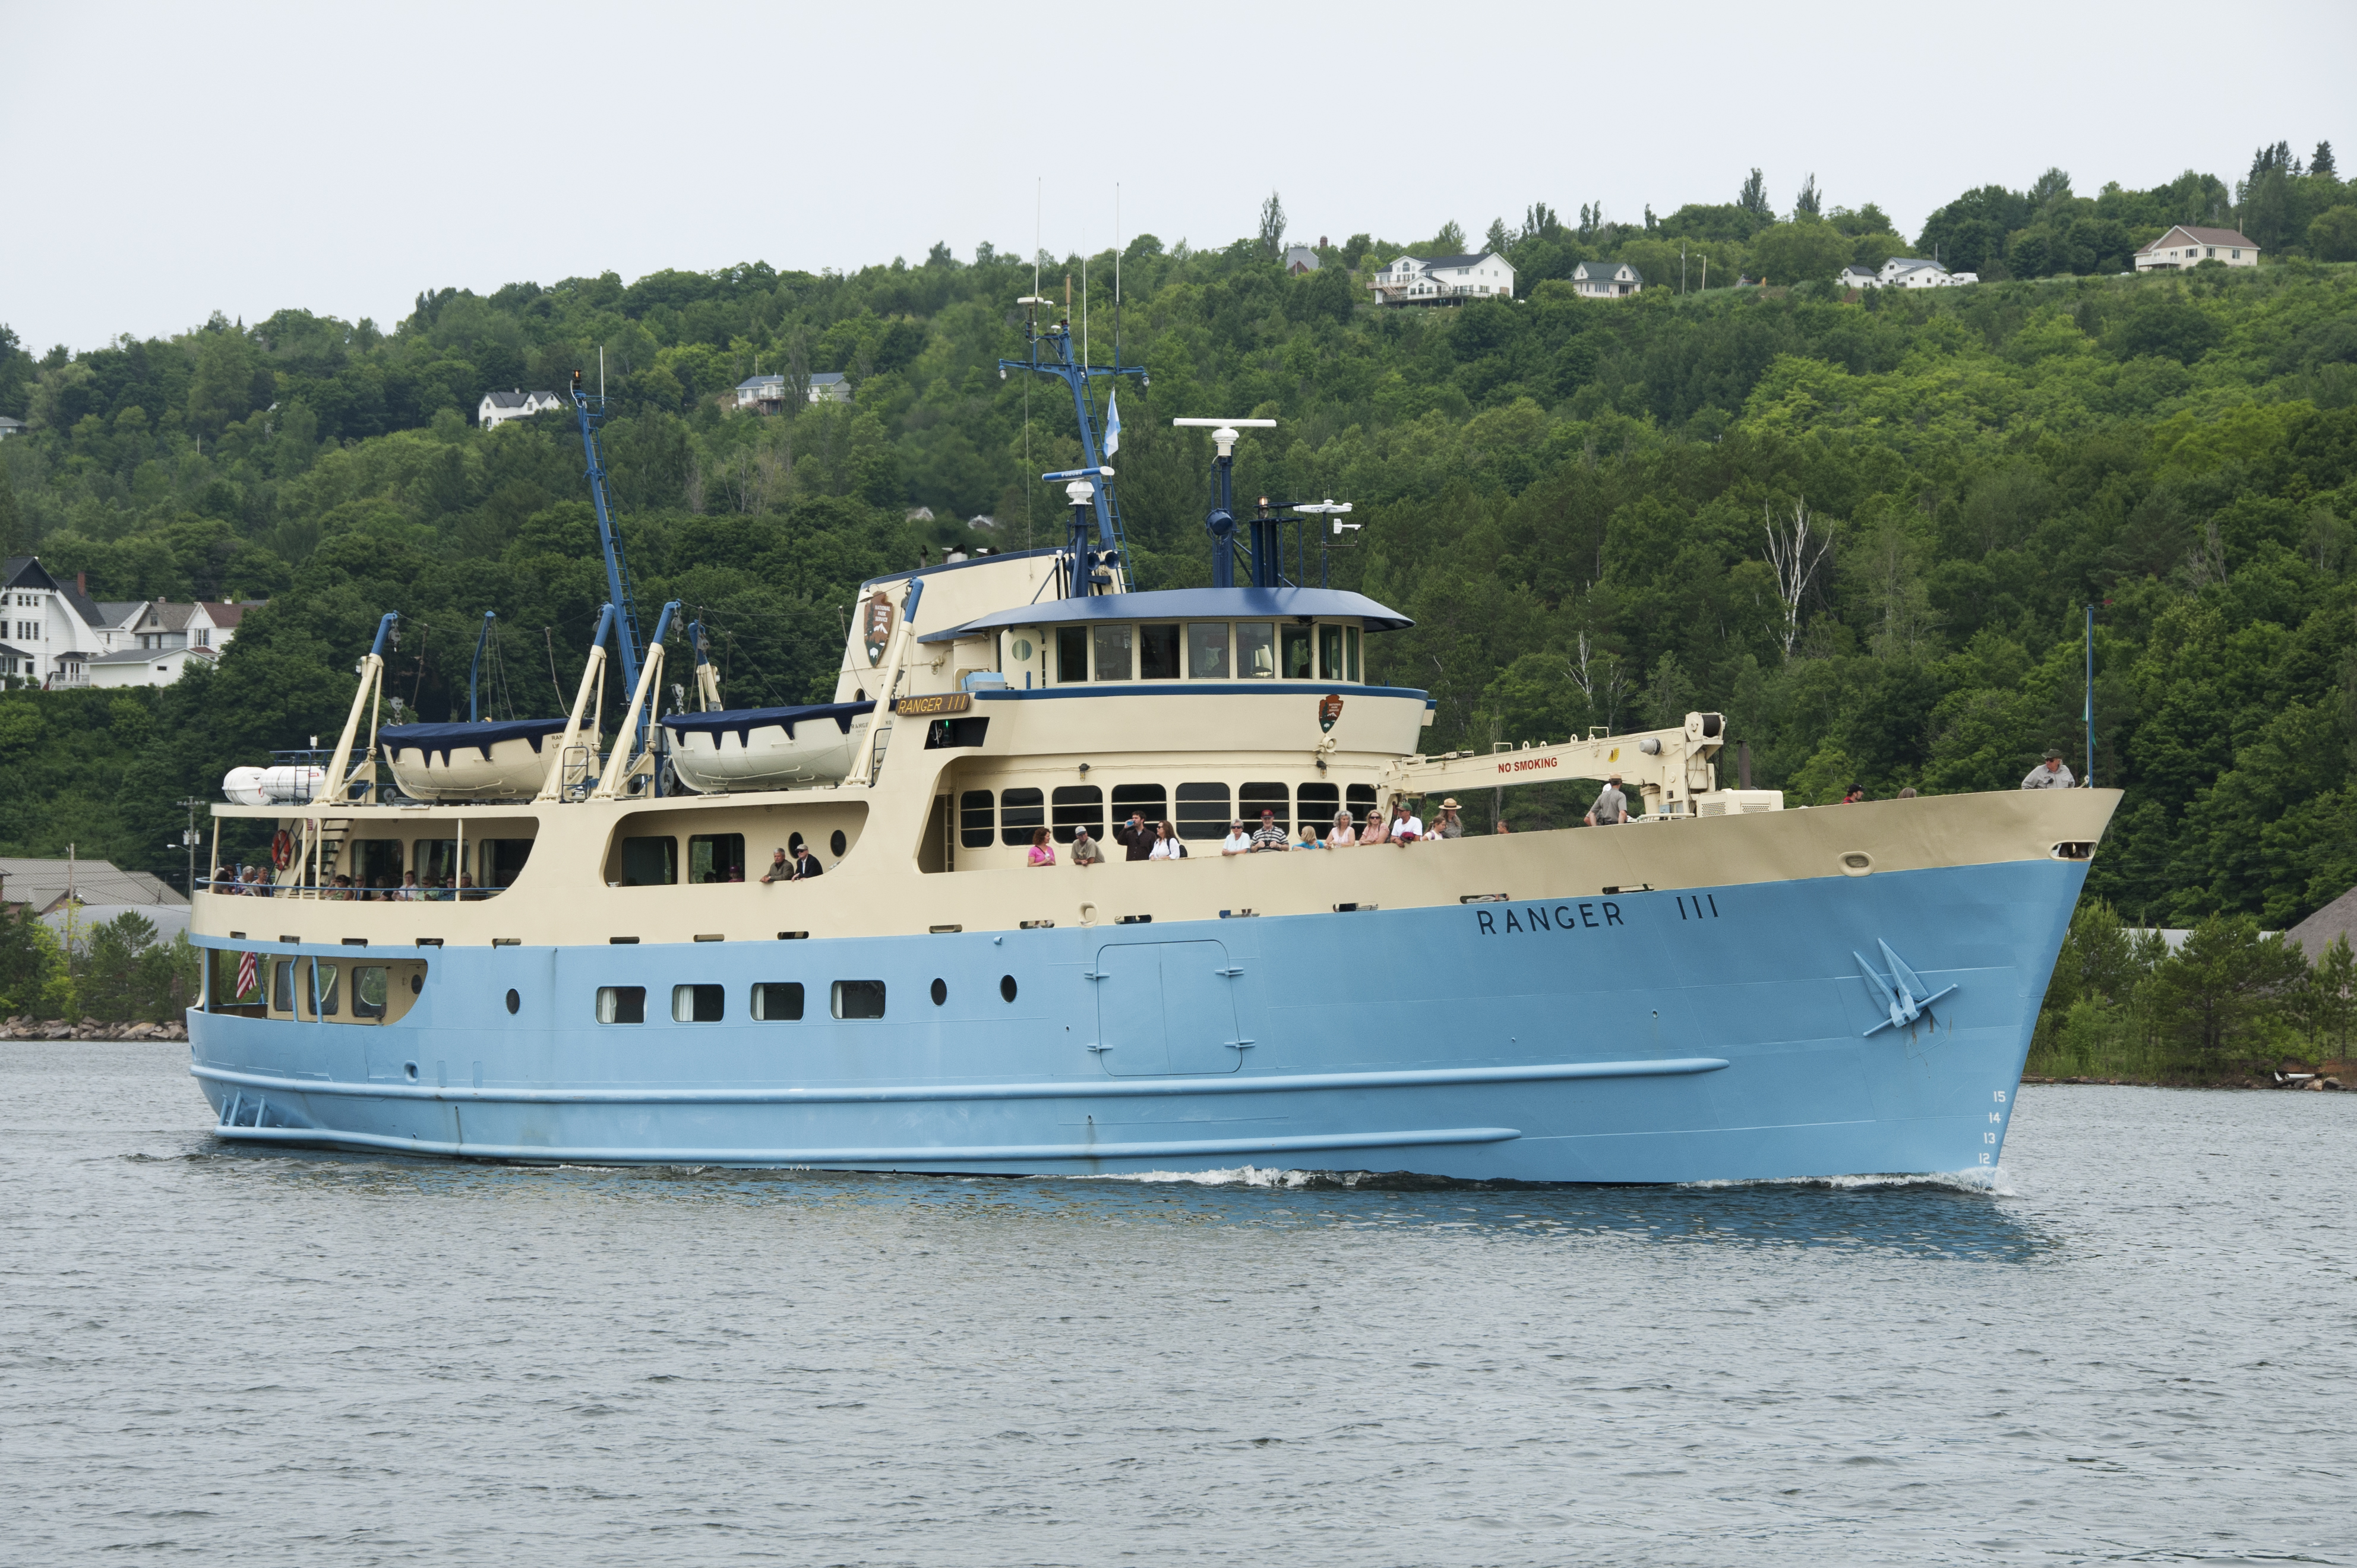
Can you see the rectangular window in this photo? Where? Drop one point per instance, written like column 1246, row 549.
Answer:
column 1158, row 652
column 1252, row 800
column 1079, row 806
column 1361, row 802
column 778, row 1002
column 1072, row 654
column 715, row 857
column 330, row 1003
column 1329, row 654
column 1256, row 650
column 859, row 999
column 1203, row 811
column 1350, row 645
column 650, row 862
column 282, row 986
column 976, row 820
column 1148, row 801
column 368, row 991
column 503, row 861
column 1295, row 666
column 622, row 1004
column 1207, row 651
column 1019, row 811
column 1112, row 644
column 1319, row 803
column 698, row 1003
column 435, row 861
column 374, row 865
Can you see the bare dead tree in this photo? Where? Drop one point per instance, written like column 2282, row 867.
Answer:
column 1795, row 555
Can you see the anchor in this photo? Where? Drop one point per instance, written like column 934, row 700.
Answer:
column 1902, row 996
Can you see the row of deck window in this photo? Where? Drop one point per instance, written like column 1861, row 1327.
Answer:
column 291, row 979
column 1202, row 812
column 1214, row 651
column 768, row 1001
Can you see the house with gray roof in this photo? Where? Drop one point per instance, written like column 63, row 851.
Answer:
column 1443, row 280
column 497, row 408
column 1605, row 280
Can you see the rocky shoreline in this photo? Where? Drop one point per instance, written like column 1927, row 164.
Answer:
column 31, row 1028
column 2281, row 1080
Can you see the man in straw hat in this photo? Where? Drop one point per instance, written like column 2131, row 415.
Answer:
column 2052, row 774
column 1449, row 826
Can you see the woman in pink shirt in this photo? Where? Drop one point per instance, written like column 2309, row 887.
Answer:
column 1374, row 831
column 1043, row 851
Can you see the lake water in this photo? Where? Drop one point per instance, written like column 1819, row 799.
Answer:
column 2137, row 1348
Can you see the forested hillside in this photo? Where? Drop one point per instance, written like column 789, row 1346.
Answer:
column 1573, row 498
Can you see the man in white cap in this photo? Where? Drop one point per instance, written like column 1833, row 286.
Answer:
column 2052, row 774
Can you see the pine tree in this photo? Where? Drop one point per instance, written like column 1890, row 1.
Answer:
column 1754, row 196
column 1809, row 203
column 2320, row 161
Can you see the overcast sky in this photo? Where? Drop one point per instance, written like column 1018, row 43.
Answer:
column 162, row 162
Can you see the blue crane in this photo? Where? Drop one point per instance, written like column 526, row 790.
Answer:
column 619, row 587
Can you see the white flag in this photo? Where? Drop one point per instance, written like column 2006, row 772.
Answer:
column 1113, row 423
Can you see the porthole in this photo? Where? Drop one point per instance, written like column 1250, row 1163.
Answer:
column 1856, row 863
column 1007, row 987
column 941, row 992
column 411, row 1068
column 516, row 1003
column 416, row 985
column 838, row 843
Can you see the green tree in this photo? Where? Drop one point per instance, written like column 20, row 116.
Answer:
column 1271, row 227
column 1804, row 251
column 2218, row 992
column 1753, row 197
column 2333, row 234
column 2332, row 992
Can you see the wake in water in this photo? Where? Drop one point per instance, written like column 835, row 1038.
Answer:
column 1991, row 1181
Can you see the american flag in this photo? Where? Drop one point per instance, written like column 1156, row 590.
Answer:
column 247, row 980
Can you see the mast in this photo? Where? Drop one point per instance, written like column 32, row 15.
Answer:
column 476, row 669
column 1051, row 355
column 591, row 413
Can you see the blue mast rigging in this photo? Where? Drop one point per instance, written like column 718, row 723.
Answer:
column 619, row 587
column 1051, row 355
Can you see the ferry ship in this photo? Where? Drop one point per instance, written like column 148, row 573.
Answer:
column 1720, row 989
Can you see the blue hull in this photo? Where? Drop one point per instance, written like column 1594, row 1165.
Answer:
column 1718, row 1033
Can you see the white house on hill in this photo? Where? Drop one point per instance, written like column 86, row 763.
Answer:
column 1605, row 280
column 1914, row 271
column 1437, row 280
column 498, row 407
column 2186, row 247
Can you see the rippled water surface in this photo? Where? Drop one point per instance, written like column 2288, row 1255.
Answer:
column 2137, row 1349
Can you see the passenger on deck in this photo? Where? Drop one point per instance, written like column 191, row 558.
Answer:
column 254, row 887
column 806, row 864
column 1043, row 851
column 1085, row 852
column 1406, row 827
column 1611, row 806
column 1269, row 836
column 1136, row 836
column 1372, row 829
column 1167, row 845
column 1342, row 837
column 468, row 892
column 434, row 890
column 780, row 871
column 1309, row 839
column 1238, row 842
column 408, row 892
column 1449, row 826
column 2052, row 773
column 341, row 889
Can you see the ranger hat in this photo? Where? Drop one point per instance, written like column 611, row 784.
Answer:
column 2051, row 756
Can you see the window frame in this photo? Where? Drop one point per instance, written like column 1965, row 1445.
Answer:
column 756, row 1001
column 1224, row 655
column 1196, row 793
column 1121, row 632
column 986, row 813
column 839, row 991
column 1017, row 820
column 1244, row 629
column 615, row 1001
column 696, row 998
column 1075, row 806
column 1170, row 633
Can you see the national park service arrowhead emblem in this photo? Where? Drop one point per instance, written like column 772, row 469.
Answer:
column 875, row 625
column 1330, row 708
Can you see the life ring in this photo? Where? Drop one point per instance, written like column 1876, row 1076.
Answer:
column 282, row 850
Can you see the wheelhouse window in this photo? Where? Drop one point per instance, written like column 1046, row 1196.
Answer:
column 978, row 819
column 622, row 1004
column 859, row 999
column 1207, row 651
column 1019, row 811
column 715, row 857
column 1203, row 811
column 1256, row 649
column 1113, row 644
column 282, row 986
column 326, row 1001
column 1297, row 653
column 1072, row 654
column 1079, row 806
column 650, row 862
column 698, row 1003
column 778, row 1002
column 1329, row 654
column 1158, row 652
column 1350, row 652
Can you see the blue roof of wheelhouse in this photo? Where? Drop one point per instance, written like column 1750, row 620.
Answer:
column 1188, row 604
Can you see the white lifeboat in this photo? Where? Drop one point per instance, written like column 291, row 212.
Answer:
column 502, row 760
column 281, row 786
column 767, row 748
